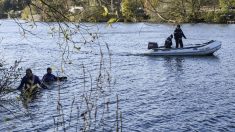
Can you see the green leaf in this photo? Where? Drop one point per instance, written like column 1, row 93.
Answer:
column 106, row 11
column 112, row 20
column 77, row 48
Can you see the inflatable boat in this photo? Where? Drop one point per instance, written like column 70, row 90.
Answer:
column 207, row 48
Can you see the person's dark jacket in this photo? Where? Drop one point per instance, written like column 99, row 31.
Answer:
column 49, row 78
column 29, row 81
column 178, row 33
column 168, row 42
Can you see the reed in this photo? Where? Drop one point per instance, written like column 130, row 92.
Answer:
column 9, row 76
column 95, row 107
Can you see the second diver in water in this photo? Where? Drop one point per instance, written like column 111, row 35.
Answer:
column 49, row 77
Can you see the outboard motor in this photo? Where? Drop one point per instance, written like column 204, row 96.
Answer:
column 152, row 45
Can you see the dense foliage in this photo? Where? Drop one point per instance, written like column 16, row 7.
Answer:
column 132, row 10
column 127, row 10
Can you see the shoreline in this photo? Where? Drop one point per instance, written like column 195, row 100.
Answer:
column 145, row 21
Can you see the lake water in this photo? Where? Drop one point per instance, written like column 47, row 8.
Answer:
column 155, row 93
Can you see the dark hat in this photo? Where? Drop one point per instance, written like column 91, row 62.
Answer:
column 49, row 69
column 29, row 70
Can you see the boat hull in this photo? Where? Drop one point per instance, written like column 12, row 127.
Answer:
column 198, row 50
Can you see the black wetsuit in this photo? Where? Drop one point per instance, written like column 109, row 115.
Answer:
column 178, row 34
column 28, row 82
column 168, row 42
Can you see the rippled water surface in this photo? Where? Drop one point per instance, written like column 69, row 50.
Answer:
column 156, row 93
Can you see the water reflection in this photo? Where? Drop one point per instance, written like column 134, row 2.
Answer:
column 173, row 64
column 175, row 67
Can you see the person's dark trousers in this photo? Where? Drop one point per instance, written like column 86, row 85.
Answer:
column 179, row 41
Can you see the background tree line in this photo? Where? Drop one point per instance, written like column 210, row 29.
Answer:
column 218, row 11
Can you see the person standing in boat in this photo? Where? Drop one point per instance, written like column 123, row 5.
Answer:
column 168, row 42
column 29, row 81
column 178, row 34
